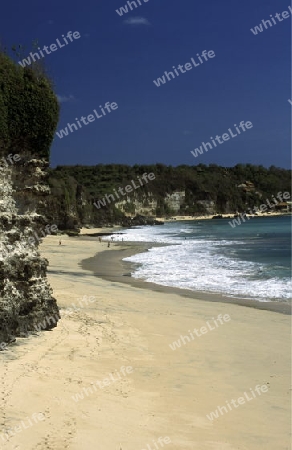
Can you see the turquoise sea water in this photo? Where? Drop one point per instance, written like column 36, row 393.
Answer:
column 252, row 260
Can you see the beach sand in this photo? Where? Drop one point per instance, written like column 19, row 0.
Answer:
column 167, row 392
column 224, row 216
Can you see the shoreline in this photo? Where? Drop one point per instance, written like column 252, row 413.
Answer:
column 94, row 231
column 223, row 216
column 109, row 265
column 170, row 391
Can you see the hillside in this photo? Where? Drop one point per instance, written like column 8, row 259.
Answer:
column 181, row 190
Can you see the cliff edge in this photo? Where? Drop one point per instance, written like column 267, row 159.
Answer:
column 29, row 114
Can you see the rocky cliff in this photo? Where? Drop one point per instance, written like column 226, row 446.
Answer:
column 29, row 114
column 26, row 301
column 182, row 190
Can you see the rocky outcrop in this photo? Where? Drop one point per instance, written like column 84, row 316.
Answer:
column 208, row 205
column 140, row 220
column 175, row 200
column 26, row 301
column 144, row 205
column 182, row 191
column 248, row 186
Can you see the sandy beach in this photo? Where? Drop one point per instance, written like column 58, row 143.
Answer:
column 223, row 216
column 117, row 340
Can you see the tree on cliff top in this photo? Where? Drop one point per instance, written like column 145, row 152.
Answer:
column 29, row 109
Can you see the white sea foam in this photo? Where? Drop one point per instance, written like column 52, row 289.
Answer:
column 202, row 265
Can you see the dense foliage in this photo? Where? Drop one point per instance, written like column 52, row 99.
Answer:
column 75, row 188
column 29, row 110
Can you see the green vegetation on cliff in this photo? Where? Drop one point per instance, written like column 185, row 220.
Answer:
column 29, row 110
column 74, row 189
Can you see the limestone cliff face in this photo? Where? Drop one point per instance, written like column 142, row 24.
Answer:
column 26, row 301
column 175, row 200
column 147, row 204
column 133, row 205
column 209, row 206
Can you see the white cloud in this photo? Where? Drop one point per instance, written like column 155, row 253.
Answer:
column 64, row 99
column 137, row 21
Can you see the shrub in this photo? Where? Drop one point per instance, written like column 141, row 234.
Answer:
column 29, row 109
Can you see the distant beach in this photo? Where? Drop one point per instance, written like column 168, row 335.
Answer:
column 224, row 216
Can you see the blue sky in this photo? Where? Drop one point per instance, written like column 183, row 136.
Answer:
column 117, row 59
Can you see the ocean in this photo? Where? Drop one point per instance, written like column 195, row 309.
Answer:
column 252, row 260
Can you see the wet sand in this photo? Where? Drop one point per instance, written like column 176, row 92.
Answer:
column 110, row 266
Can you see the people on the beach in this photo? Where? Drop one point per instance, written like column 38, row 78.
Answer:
column 60, row 243
column 108, row 244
